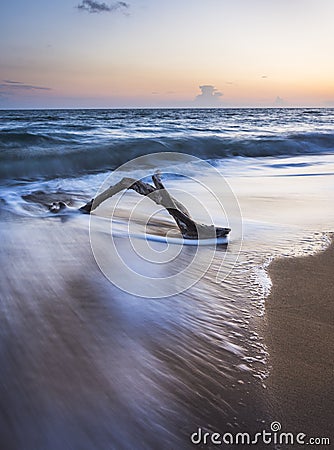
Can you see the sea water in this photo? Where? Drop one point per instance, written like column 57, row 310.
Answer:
column 87, row 360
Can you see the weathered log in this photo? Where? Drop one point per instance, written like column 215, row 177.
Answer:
column 159, row 194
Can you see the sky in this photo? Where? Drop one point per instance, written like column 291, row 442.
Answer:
column 174, row 53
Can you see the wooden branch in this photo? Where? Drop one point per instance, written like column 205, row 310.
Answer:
column 159, row 194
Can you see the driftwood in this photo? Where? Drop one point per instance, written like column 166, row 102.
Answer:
column 158, row 194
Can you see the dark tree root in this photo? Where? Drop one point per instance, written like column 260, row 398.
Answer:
column 158, row 194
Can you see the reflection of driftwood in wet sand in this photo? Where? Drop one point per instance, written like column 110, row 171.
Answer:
column 158, row 194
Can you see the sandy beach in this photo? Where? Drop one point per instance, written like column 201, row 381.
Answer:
column 299, row 333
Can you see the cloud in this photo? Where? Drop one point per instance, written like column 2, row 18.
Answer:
column 209, row 97
column 11, row 87
column 93, row 6
column 264, row 76
column 279, row 101
column 12, row 82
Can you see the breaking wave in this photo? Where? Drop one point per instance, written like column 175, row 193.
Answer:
column 69, row 143
column 29, row 155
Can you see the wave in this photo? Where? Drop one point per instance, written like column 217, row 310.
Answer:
column 29, row 155
column 17, row 140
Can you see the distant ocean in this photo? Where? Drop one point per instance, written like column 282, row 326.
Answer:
column 87, row 365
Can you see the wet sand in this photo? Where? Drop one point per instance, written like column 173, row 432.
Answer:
column 84, row 365
column 299, row 333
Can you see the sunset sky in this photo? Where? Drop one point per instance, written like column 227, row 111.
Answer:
column 151, row 53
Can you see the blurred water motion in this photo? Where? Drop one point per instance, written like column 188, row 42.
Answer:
column 84, row 365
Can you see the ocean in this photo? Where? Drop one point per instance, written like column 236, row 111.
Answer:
column 116, row 334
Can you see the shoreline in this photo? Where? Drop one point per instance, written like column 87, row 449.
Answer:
column 299, row 330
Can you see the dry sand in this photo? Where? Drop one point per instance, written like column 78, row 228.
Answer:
column 300, row 340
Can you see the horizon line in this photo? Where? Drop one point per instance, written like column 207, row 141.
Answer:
column 162, row 108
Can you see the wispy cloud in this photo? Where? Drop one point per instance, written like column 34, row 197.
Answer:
column 10, row 86
column 11, row 82
column 93, row 7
